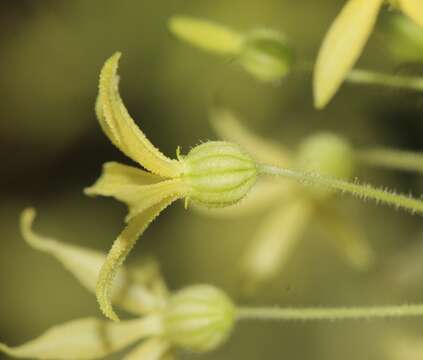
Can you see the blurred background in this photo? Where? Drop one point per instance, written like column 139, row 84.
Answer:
column 52, row 147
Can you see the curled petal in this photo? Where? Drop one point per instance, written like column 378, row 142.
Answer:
column 153, row 349
column 228, row 127
column 413, row 9
column 121, row 128
column 88, row 338
column 350, row 242
column 206, row 35
column 274, row 242
column 132, row 295
column 342, row 47
column 120, row 249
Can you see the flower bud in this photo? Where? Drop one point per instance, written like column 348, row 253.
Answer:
column 218, row 173
column 199, row 318
column 326, row 154
column 267, row 55
column 403, row 37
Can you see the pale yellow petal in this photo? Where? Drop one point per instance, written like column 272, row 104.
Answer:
column 262, row 196
column 85, row 264
column 120, row 249
column 153, row 349
column 228, row 127
column 121, row 128
column 413, row 9
column 342, row 47
column 400, row 345
column 148, row 195
column 349, row 240
column 88, row 338
column 274, row 242
column 206, row 34
column 135, row 187
column 118, row 178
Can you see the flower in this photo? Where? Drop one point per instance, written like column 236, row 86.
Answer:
column 291, row 207
column 212, row 174
column 197, row 318
column 346, row 39
column 264, row 53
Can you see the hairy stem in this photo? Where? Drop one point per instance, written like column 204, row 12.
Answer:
column 393, row 159
column 361, row 191
column 341, row 313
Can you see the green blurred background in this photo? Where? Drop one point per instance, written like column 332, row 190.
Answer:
column 52, row 147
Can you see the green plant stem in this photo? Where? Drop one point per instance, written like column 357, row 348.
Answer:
column 361, row 191
column 341, row 313
column 392, row 159
column 367, row 77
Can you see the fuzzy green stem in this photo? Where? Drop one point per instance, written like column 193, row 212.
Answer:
column 361, row 191
column 392, row 159
column 341, row 313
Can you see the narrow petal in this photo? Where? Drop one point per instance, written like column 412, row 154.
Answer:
column 121, row 128
column 118, row 178
column 135, row 187
column 413, row 9
column 149, row 195
column 401, row 345
column 120, row 249
column 132, row 295
column 228, row 127
column 342, row 47
column 153, row 349
column 206, row 35
column 348, row 239
column 88, row 338
column 274, row 242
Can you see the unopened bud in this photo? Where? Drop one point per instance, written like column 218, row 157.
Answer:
column 327, row 154
column 218, row 173
column 266, row 54
column 403, row 37
column 199, row 318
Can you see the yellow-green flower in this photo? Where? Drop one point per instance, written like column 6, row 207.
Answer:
column 290, row 207
column 197, row 318
column 345, row 40
column 213, row 174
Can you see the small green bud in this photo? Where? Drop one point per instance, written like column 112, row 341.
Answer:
column 327, row 154
column 403, row 37
column 199, row 318
column 218, row 173
column 266, row 54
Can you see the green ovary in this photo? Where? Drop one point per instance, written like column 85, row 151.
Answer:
column 218, row 173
